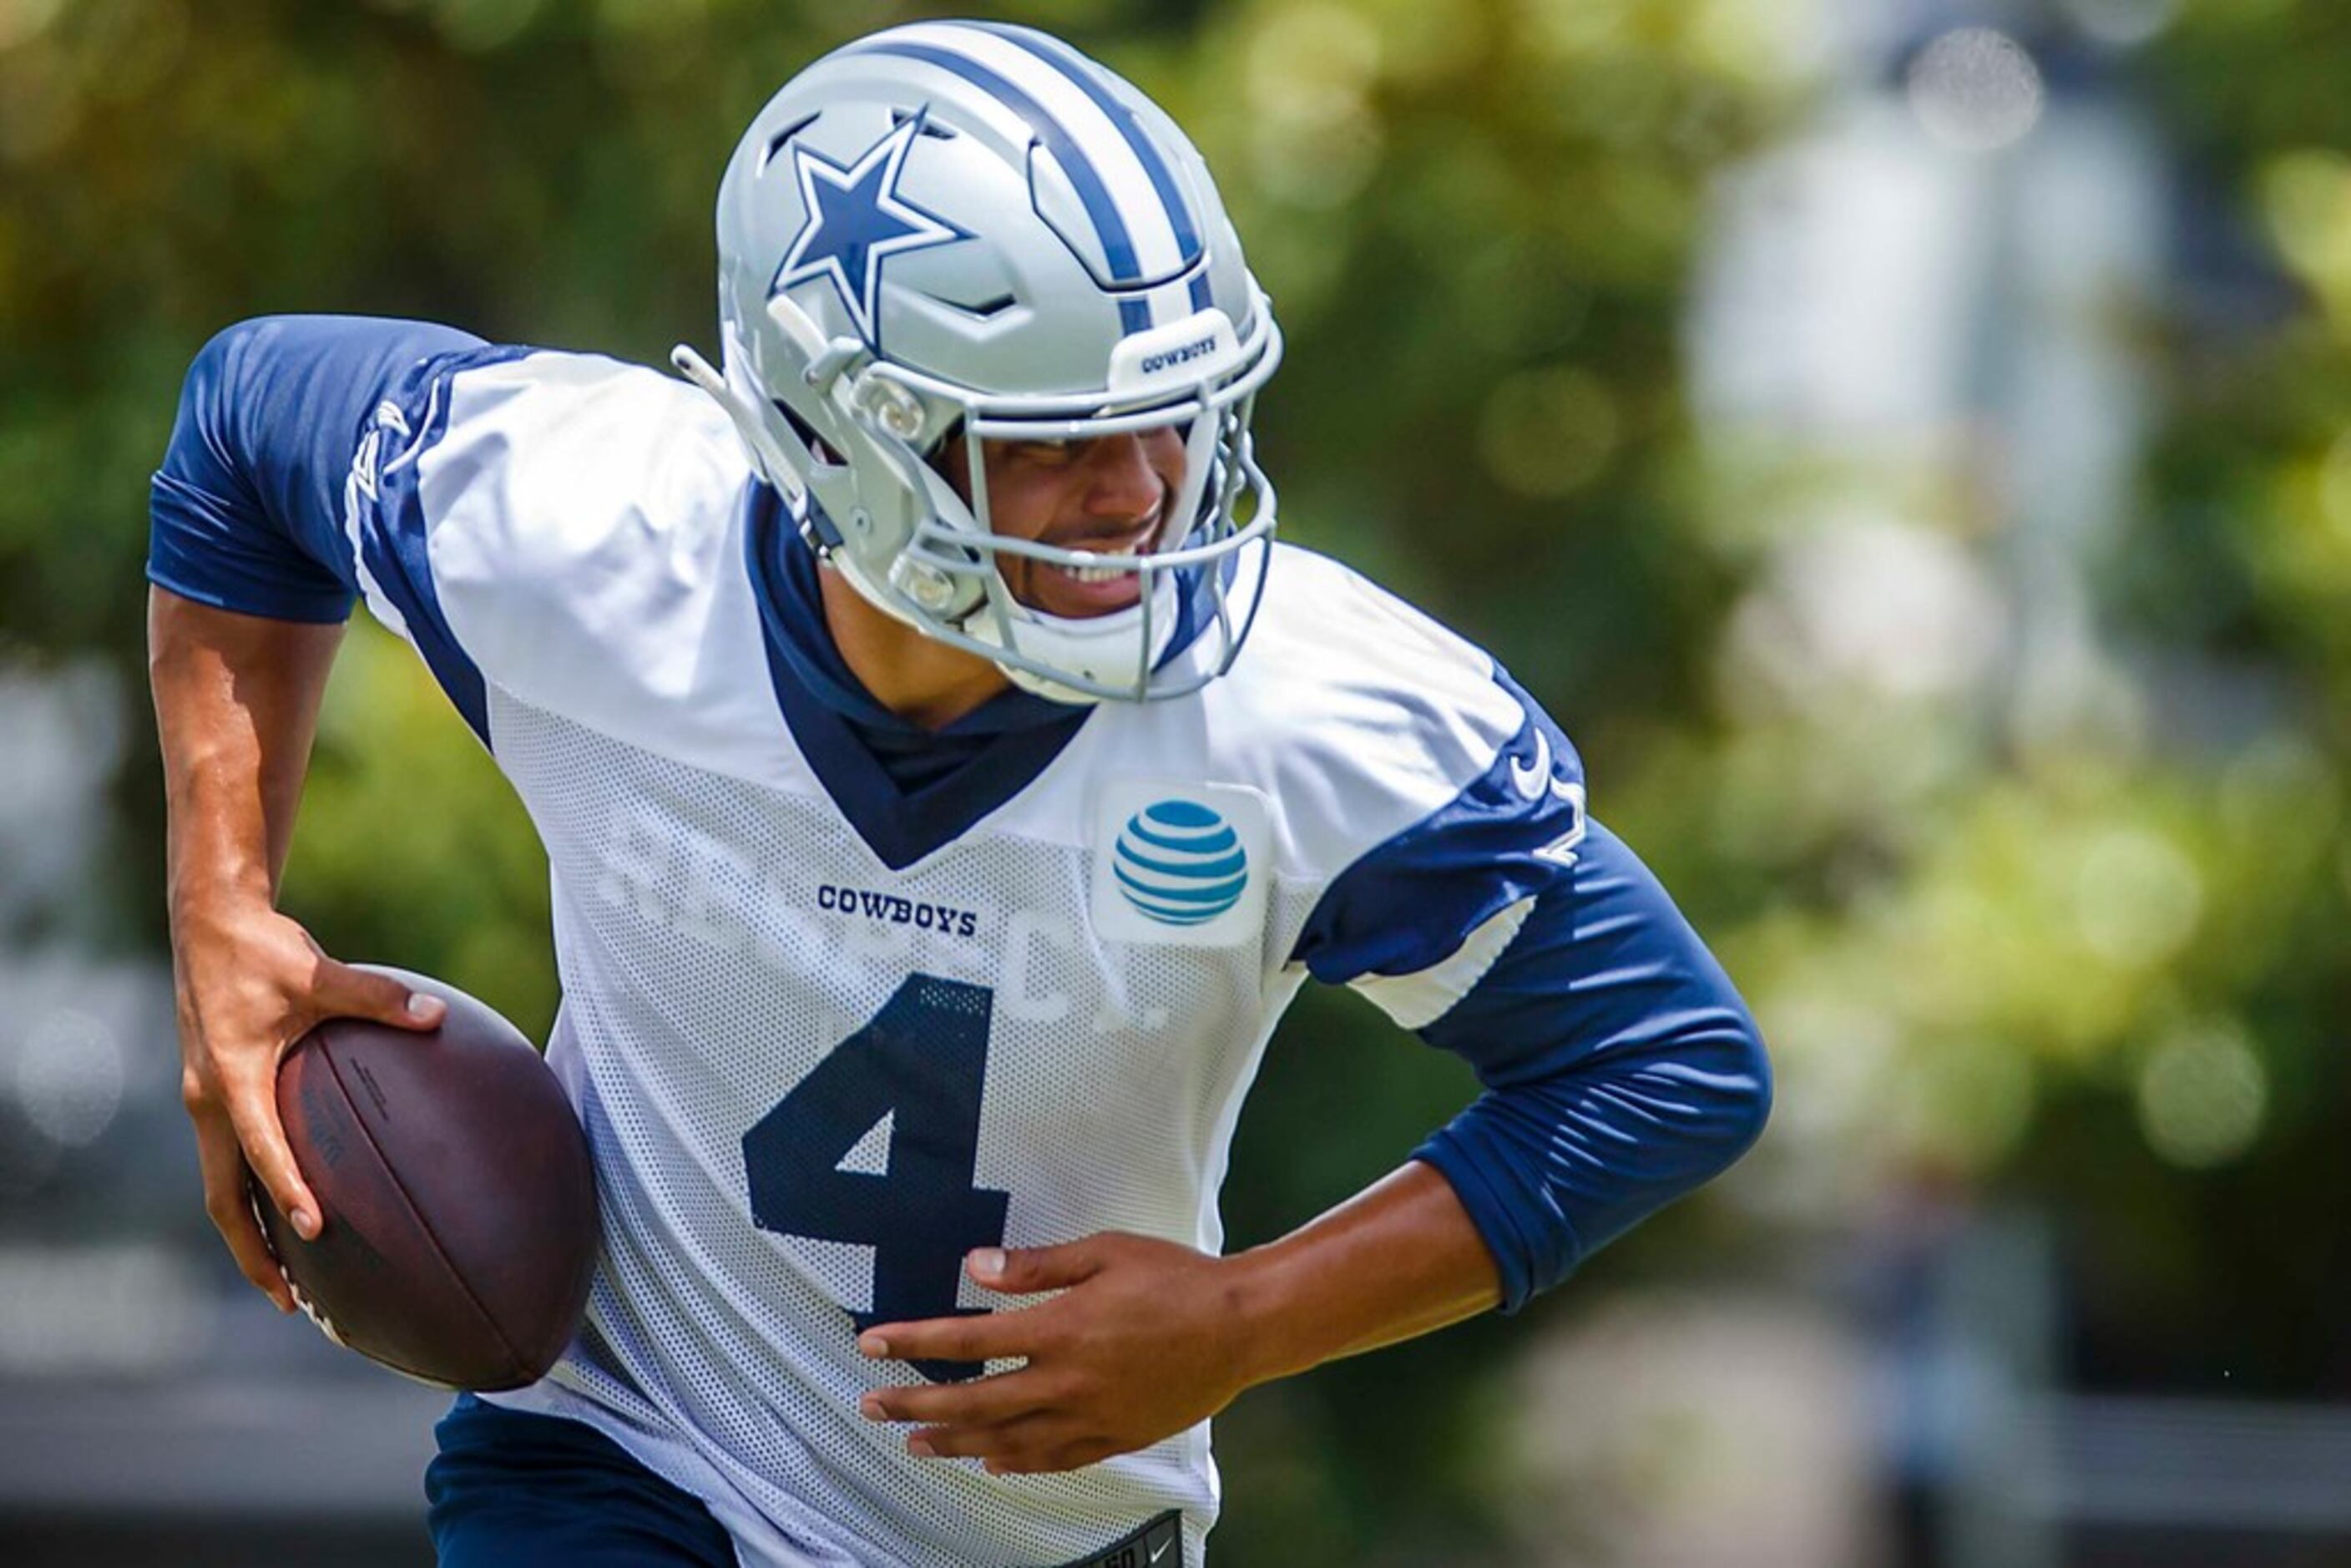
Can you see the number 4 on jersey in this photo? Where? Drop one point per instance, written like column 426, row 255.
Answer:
column 921, row 1061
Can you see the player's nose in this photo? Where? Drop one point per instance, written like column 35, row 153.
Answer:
column 1122, row 482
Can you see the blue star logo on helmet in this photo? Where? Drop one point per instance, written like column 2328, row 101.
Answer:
column 857, row 220
column 1180, row 863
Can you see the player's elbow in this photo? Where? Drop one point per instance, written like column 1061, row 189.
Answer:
column 1747, row 1089
column 1723, row 1087
column 1696, row 1098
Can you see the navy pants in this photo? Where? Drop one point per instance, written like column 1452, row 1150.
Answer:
column 510, row 1490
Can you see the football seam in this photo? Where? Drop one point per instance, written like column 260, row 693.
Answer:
column 440, row 1252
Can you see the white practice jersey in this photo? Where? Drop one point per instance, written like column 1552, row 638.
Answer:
column 812, row 1078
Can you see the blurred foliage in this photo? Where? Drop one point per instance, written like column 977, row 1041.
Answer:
column 2098, row 960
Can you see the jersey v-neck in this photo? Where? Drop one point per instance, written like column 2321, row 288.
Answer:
column 907, row 790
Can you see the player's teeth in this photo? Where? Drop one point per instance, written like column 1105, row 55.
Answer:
column 1095, row 573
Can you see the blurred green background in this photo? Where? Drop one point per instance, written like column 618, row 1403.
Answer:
column 1907, row 445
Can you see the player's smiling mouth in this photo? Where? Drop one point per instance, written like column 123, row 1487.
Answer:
column 1094, row 573
column 1126, row 548
column 1100, row 589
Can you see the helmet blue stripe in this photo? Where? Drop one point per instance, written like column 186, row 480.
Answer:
column 1118, row 248
column 1080, row 73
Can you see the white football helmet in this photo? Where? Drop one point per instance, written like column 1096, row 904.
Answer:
column 968, row 231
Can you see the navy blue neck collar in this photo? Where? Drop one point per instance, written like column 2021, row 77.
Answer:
column 905, row 790
column 785, row 573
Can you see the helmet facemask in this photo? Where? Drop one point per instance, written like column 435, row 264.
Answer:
column 869, row 471
column 1197, row 577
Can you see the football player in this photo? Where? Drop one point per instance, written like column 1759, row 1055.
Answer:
column 947, row 782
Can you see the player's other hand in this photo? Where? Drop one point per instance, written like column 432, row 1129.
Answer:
column 1139, row 1346
column 249, row 984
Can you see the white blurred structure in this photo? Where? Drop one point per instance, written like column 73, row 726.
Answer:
column 1931, row 301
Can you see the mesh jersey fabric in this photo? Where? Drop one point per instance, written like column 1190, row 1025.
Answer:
column 701, row 984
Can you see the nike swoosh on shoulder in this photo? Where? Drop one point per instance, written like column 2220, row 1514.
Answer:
column 1530, row 777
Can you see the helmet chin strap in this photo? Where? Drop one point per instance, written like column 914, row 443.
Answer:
column 1082, row 644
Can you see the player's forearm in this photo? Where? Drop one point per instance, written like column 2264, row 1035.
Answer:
column 1398, row 1260
column 236, row 705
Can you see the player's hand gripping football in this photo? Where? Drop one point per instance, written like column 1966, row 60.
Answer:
column 1138, row 1346
column 250, row 983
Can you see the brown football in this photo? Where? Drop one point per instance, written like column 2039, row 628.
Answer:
column 458, row 1196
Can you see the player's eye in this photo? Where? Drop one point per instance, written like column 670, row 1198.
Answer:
column 1045, row 453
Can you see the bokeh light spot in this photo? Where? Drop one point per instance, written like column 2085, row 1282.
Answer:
column 2202, row 1097
column 1548, row 433
column 2306, row 197
column 69, row 1072
column 2136, row 896
column 483, row 24
column 1315, row 138
column 2123, row 23
column 1976, row 88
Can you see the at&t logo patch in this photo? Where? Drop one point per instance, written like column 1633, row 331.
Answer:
column 1180, row 863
